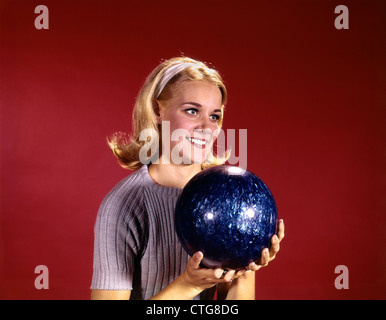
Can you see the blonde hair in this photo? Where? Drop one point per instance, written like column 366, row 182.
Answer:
column 126, row 148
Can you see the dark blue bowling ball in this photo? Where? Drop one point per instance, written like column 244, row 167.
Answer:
column 228, row 214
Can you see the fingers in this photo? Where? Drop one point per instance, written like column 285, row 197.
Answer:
column 226, row 275
column 196, row 259
column 223, row 275
column 239, row 273
column 217, row 275
column 275, row 247
column 275, row 240
column 265, row 258
column 263, row 261
column 268, row 255
column 280, row 230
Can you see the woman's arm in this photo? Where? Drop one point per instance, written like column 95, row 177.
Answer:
column 242, row 288
column 110, row 294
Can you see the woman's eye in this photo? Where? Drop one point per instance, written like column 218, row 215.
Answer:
column 192, row 112
column 215, row 117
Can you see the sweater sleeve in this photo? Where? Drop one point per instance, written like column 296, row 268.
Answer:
column 120, row 238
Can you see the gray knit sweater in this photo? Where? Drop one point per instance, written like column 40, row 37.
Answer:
column 136, row 247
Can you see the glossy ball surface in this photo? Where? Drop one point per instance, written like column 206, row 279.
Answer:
column 228, row 214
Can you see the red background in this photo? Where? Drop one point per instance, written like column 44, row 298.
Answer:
column 311, row 97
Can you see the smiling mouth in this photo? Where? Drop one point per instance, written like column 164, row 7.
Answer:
column 197, row 142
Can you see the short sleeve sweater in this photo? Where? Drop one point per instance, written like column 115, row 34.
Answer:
column 136, row 246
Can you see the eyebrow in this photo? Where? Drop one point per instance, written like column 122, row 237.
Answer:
column 198, row 105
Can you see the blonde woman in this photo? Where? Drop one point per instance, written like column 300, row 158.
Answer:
column 137, row 254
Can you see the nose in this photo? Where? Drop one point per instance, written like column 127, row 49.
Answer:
column 205, row 126
column 204, row 123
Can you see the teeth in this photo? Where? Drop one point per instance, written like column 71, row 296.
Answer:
column 197, row 141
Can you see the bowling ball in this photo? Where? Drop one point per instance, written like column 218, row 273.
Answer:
column 228, row 214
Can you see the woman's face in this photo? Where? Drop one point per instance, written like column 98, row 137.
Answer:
column 193, row 114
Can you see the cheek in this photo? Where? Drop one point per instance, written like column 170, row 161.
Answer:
column 179, row 123
column 179, row 129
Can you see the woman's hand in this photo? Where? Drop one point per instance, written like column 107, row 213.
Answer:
column 269, row 255
column 203, row 278
column 194, row 280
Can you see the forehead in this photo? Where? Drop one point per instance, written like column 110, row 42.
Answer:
column 201, row 91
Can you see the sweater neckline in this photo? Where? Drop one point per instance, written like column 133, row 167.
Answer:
column 164, row 190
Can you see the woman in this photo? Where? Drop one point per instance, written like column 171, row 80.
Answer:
column 137, row 254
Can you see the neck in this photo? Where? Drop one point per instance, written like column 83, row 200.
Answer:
column 171, row 175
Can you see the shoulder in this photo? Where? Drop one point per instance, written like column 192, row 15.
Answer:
column 126, row 195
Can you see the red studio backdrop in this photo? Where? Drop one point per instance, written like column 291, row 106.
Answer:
column 310, row 94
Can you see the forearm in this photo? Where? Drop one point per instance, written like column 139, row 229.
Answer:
column 97, row 294
column 242, row 288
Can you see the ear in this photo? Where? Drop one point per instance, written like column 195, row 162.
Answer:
column 157, row 110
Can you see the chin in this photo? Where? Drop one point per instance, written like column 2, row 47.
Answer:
column 199, row 157
column 192, row 155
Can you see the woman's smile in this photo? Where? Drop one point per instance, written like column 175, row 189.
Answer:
column 198, row 143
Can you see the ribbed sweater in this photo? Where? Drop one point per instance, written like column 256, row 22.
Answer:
column 136, row 246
